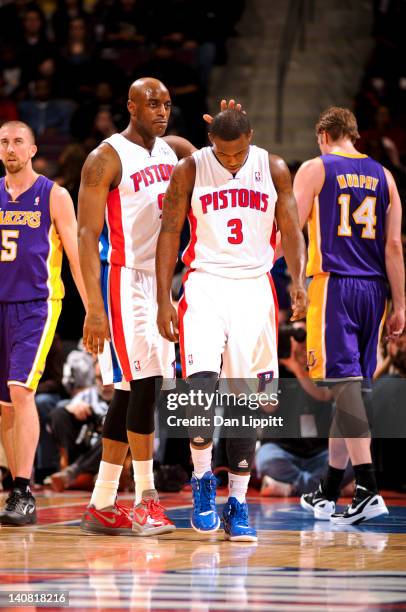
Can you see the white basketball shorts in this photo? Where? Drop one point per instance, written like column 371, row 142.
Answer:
column 136, row 349
column 228, row 326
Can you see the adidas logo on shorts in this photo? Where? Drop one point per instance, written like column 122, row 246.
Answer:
column 243, row 464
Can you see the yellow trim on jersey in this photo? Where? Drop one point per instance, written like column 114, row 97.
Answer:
column 352, row 155
column 54, row 310
column 18, row 384
column 314, row 264
column 316, row 325
column 381, row 331
column 54, row 265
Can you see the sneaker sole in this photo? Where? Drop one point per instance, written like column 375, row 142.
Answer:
column 240, row 538
column 356, row 519
column 317, row 513
column 100, row 530
column 206, row 530
column 153, row 531
column 9, row 522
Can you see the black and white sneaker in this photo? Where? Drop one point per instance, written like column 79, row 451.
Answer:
column 20, row 509
column 317, row 503
column 365, row 505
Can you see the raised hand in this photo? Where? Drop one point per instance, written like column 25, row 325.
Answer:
column 224, row 105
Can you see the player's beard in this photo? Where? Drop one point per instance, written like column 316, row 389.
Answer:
column 15, row 166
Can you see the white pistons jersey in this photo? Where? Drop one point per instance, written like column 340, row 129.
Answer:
column 231, row 217
column 134, row 207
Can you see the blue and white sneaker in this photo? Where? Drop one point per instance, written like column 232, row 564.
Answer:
column 204, row 518
column 235, row 519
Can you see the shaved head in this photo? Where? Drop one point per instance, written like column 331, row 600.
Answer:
column 145, row 87
column 149, row 105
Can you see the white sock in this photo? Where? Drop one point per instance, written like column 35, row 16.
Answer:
column 238, row 486
column 201, row 460
column 106, row 486
column 143, row 478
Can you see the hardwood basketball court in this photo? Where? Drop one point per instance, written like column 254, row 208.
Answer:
column 298, row 563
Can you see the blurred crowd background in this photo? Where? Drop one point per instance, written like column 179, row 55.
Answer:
column 65, row 68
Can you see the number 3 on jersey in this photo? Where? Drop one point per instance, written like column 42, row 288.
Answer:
column 236, row 231
column 363, row 215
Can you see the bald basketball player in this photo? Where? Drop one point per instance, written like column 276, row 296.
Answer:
column 120, row 201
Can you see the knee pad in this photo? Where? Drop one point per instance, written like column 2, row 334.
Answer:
column 201, row 433
column 204, row 376
column 114, row 427
column 197, row 440
column 350, row 419
column 141, row 407
column 240, row 453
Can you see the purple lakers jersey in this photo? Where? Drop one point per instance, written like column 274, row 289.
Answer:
column 347, row 221
column 30, row 248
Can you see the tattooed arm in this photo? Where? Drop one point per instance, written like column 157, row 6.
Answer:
column 100, row 173
column 175, row 209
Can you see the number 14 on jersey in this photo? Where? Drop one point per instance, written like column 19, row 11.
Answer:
column 363, row 215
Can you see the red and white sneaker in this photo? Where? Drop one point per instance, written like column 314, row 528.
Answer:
column 149, row 516
column 112, row 520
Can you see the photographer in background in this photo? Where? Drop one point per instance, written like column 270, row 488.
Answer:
column 78, row 424
column 49, row 393
column 293, row 465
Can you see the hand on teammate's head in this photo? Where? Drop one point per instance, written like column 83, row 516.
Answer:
column 224, row 105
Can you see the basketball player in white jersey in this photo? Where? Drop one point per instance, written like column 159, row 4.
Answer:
column 232, row 193
column 120, row 201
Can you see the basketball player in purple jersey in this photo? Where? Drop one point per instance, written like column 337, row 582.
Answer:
column 37, row 220
column 354, row 213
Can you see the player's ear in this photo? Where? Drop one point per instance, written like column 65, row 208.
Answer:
column 34, row 150
column 250, row 135
column 131, row 107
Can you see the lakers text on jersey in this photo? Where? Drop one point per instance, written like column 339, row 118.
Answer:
column 30, row 285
